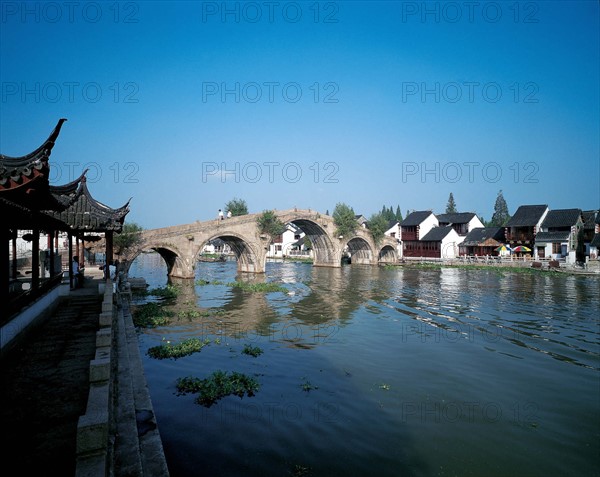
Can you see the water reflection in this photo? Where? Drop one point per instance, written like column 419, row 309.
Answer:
column 419, row 372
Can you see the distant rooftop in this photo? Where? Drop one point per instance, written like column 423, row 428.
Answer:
column 527, row 216
column 415, row 218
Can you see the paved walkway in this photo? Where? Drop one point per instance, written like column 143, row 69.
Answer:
column 44, row 387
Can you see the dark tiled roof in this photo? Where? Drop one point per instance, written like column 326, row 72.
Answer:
column 19, row 216
column 595, row 241
column 590, row 218
column 24, row 179
column 561, row 218
column 86, row 213
column 436, row 234
column 17, row 166
column 552, row 237
column 527, row 216
column 391, row 223
column 481, row 234
column 457, row 218
column 415, row 218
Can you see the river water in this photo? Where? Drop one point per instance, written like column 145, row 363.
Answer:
column 373, row 371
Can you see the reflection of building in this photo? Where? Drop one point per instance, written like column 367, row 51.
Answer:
column 559, row 234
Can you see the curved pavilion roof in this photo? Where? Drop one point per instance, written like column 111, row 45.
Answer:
column 27, row 199
column 84, row 213
column 24, row 180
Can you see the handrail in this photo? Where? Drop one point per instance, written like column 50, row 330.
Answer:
column 21, row 300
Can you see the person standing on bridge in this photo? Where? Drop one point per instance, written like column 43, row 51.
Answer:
column 229, row 214
column 220, row 214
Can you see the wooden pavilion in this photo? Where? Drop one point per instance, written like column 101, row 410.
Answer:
column 29, row 202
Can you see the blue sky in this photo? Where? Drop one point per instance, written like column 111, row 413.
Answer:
column 184, row 106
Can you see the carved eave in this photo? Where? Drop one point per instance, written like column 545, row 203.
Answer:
column 17, row 171
column 84, row 213
column 24, row 180
column 67, row 194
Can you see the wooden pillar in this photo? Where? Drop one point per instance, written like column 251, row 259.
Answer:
column 35, row 260
column 51, row 253
column 82, row 252
column 77, row 249
column 70, row 259
column 14, row 254
column 109, row 246
column 4, row 265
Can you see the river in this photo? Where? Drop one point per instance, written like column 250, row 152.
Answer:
column 383, row 371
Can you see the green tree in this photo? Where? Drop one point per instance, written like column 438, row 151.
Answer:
column 344, row 219
column 269, row 223
column 307, row 243
column 501, row 215
column 378, row 224
column 129, row 240
column 237, row 207
column 398, row 214
column 451, row 205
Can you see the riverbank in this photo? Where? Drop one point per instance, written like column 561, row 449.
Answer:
column 516, row 267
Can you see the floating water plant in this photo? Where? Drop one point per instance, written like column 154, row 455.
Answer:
column 265, row 287
column 170, row 291
column 254, row 351
column 300, row 471
column 179, row 350
column 307, row 386
column 200, row 282
column 384, row 386
column 150, row 315
column 218, row 385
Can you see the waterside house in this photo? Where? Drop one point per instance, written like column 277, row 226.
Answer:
column 591, row 228
column 559, row 235
column 415, row 226
column 483, row 241
column 524, row 225
column 439, row 242
column 461, row 222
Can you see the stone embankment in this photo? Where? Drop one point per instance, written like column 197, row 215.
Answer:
column 118, row 434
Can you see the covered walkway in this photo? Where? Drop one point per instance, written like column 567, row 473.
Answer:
column 44, row 386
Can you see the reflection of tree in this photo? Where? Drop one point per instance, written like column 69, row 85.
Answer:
column 335, row 294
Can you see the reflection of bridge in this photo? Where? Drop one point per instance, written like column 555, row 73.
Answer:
column 181, row 245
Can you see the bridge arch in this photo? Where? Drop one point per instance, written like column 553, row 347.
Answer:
column 177, row 265
column 325, row 252
column 249, row 258
column 387, row 254
column 360, row 250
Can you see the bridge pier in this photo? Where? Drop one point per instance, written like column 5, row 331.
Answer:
column 181, row 268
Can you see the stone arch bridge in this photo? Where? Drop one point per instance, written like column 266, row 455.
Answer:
column 182, row 245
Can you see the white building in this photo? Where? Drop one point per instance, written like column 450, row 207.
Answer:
column 289, row 243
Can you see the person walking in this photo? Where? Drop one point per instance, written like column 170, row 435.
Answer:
column 221, row 214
